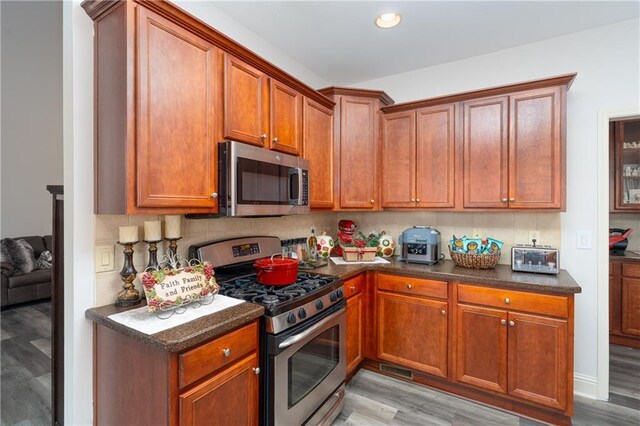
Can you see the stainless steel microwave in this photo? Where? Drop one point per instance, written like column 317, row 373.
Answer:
column 254, row 181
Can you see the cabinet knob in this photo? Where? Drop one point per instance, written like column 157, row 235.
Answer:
column 512, row 199
column 507, row 300
column 409, row 286
column 417, row 200
column 353, row 288
column 263, row 136
column 503, row 322
column 413, row 200
column 511, row 323
column 214, row 195
column 372, row 201
column 256, row 370
column 226, row 352
column 504, row 200
column 275, row 140
column 443, row 312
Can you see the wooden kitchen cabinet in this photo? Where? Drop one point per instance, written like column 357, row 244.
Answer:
column 317, row 147
column 412, row 330
column 418, row 153
column 354, row 290
column 527, row 355
column 356, row 147
column 623, row 161
column 246, row 102
column 286, row 118
column 624, row 303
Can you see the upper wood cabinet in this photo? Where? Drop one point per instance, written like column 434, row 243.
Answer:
column 246, row 102
column 624, row 158
column 418, row 158
column 317, row 147
column 513, row 151
column 286, row 118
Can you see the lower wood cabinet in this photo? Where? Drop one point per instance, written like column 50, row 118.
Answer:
column 354, row 289
column 624, row 303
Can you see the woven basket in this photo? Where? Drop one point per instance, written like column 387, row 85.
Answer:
column 356, row 254
column 475, row 261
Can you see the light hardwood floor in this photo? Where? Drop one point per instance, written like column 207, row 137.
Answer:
column 374, row 399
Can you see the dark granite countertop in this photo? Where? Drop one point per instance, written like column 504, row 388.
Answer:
column 185, row 336
column 501, row 276
column 629, row 256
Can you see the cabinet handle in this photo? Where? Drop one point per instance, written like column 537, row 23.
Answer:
column 417, row 200
column 507, row 300
column 503, row 322
column 413, row 200
column 511, row 323
column 263, row 136
column 409, row 286
column 214, row 195
column 504, row 200
column 256, row 370
column 512, row 199
column 443, row 312
column 353, row 288
column 226, row 352
column 275, row 140
column 372, row 201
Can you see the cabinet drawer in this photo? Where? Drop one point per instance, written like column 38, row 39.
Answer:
column 516, row 300
column 411, row 285
column 209, row 357
column 355, row 285
column 631, row 270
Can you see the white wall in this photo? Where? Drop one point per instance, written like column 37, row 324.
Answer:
column 224, row 23
column 31, row 114
column 608, row 65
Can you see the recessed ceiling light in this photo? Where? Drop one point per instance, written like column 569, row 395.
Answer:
column 388, row 20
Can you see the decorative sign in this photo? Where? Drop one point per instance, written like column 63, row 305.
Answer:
column 170, row 288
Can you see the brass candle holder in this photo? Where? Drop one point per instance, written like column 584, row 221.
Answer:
column 153, row 255
column 128, row 295
column 173, row 248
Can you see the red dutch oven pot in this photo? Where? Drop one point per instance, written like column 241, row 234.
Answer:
column 276, row 271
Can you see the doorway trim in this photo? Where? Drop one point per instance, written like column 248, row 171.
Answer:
column 603, row 241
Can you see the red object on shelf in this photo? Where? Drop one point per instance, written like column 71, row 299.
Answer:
column 613, row 239
column 347, row 227
column 272, row 271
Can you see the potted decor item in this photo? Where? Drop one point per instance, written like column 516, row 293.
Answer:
column 360, row 247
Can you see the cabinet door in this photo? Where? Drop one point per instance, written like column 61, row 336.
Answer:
column 358, row 153
column 435, row 153
column 412, row 332
column 481, row 335
column 538, row 359
column 535, row 149
column 355, row 318
column 630, row 307
column 228, row 398
column 246, row 102
column 317, row 147
column 485, row 153
column 175, row 149
column 399, row 159
column 286, row 118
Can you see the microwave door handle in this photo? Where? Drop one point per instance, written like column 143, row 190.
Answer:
column 300, row 185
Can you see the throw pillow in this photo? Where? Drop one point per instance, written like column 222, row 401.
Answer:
column 21, row 254
column 4, row 253
column 45, row 260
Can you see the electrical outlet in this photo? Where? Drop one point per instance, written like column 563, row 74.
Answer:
column 534, row 235
column 478, row 233
column 105, row 258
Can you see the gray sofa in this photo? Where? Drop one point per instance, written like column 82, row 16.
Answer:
column 35, row 285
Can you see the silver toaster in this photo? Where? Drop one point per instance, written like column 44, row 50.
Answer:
column 420, row 244
column 535, row 258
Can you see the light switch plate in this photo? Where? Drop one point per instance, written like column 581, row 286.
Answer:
column 105, row 258
column 584, row 240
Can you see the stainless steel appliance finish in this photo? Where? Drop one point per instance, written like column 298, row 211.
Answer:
column 420, row 244
column 236, row 250
column 539, row 259
column 330, row 410
column 255, row 181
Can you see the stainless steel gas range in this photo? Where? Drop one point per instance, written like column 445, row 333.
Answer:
column 303, row 332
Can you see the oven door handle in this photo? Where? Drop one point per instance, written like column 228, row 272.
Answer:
column 289, row 341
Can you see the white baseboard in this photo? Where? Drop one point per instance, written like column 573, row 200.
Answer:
column 586, row 386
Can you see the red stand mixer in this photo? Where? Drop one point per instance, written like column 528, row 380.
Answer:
column 346, row 227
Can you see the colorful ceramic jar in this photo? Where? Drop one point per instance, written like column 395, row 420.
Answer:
column 386, row 246
column 325, row 245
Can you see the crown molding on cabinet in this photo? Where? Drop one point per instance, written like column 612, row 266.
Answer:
column 363, row 93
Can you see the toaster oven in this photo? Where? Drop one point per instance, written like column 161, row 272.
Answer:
column 539, row 259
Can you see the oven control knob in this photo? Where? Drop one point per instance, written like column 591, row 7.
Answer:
column 302, row 314
column 319, row 305
column 291, row 318
column 340, row 293
column 333, row 297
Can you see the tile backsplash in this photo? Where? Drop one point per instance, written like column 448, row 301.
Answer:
column 511, row 228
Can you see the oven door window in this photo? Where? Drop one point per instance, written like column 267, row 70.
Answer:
column 309, row 366
column 261, row 183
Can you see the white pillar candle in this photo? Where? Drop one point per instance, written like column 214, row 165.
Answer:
column 128, row 234
column 152, row 230
column 172, row 226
